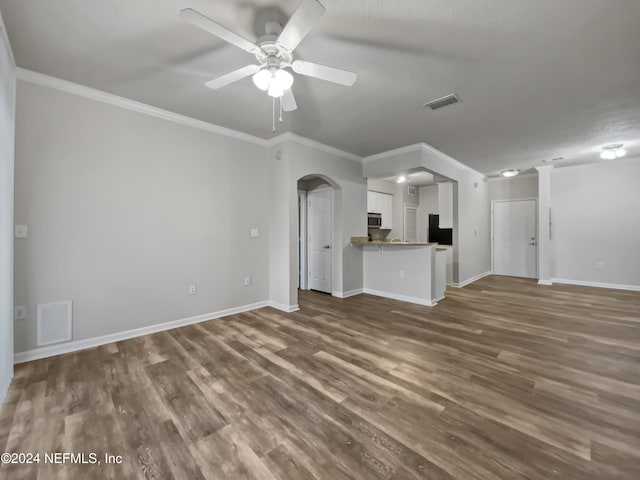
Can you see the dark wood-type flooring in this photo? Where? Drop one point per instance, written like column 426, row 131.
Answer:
column 504, row 379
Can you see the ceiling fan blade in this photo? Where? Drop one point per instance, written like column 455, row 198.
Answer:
column 231, row 77
column 208, row 25
column 289, row 101
column 330, row 74
column 306, row 16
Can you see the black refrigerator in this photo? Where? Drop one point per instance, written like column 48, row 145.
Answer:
column 443, row 236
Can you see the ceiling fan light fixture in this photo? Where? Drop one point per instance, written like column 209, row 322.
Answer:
column 284, row 78
column 611, row 152
column 262, row 79
column 275, row 90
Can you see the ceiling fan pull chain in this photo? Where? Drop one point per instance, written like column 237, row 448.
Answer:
column 273, row 114
column 280, row 108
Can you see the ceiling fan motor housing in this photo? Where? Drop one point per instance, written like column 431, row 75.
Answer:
column 271, row 55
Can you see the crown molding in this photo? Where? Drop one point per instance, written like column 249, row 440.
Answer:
column 425, row 147
column 123, row 102
column 5, row 37
column 390, row 153
column 133, row 105
column 421, row 147
column 292, row 137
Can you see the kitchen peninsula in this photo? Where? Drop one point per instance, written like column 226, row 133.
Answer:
column 413, row 272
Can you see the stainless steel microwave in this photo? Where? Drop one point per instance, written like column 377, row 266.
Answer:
column 374, row 220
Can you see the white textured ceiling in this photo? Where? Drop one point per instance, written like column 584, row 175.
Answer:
column 538, row 78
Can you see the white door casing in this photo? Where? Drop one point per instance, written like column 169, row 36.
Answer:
column 320, row 231
column 302, row 240
column 514, row 235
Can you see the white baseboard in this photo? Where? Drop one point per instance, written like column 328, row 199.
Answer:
column 471, row 280
column 545, row 282
column 74, row 346
column 396, row 296
column 582, row 283
column 347, row 294
column 282, row 307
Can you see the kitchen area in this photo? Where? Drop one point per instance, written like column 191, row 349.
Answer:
column 408, row 253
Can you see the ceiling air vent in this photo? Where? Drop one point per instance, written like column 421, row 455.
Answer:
column 443, row 101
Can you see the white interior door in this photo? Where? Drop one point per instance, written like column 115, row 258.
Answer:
column 319, row 221
column 515, row 238
column 410, row 223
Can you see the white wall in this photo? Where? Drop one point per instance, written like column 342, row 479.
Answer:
column 522, row 186
column 297, row 160
column 472, row 255
column 595, row 214
column 429, row 203
column 7, row 109
column 125, row 211
column 401, row 272
column 472, row 237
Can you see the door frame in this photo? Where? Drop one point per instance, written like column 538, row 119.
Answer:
column 305, row 259
column 512, row 200
column 302, row 245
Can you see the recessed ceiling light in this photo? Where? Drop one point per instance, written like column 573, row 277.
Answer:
column 511, row 173
column 402, row 179
column 611, row 152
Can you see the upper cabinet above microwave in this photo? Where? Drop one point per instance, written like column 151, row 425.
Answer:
column 381, row 203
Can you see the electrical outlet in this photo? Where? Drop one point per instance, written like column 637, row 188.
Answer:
column 600, row 266
column 401, row 273
column 21, row 231
column 20, row 312
column 247, row 281
column 193, row 289
column 255, row 233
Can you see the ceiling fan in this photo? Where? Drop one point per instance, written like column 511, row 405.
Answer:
column 274, row 54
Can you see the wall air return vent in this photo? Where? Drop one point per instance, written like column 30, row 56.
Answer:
column 443, row 101
column 54, row 322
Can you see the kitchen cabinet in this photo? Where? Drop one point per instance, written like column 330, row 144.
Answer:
column 373, row 206
column 445, row 204
column 382, row 203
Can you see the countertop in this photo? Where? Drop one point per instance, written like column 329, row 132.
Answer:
column 365, row 241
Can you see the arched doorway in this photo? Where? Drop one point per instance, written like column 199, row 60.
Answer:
column 317, row 245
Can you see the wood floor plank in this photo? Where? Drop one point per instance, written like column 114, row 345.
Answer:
column 503, row 379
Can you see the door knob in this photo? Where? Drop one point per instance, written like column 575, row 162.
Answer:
column 327, row 246
column 532, row 243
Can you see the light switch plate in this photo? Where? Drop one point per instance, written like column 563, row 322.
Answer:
column 255, row 233
column 21, row 231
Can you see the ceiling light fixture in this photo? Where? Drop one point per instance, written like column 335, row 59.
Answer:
column 611, row 152
column 273, row 81
column 511, row 173
column 402, row 179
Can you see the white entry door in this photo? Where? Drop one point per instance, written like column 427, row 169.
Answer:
column 319, row 217
column 515, row 238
